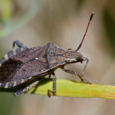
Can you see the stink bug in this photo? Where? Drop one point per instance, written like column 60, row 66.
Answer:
column 25, row 64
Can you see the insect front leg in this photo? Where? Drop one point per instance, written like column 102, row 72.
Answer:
column 23, row 90
column 19, row 44
column 54, row 86
column 84, row 59
column 75, row 73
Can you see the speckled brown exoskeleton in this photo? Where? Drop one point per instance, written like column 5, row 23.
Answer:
column 24, row 64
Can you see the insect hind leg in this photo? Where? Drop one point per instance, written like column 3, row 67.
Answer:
column 19, row 44
column 23, row 90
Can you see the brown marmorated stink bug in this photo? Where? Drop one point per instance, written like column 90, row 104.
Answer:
column 24, row 64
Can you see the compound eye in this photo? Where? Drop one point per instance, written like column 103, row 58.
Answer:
column 69, row 49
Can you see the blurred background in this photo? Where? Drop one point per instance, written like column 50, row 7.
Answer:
column 37, row 22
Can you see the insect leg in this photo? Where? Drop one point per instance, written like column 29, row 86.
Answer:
column 50, row 75
column 19, row 44
column 23, row 90
column 13, row 52
column 54, row 86
column 84, row 59
column 75, row 73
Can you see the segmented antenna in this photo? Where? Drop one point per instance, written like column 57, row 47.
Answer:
column 85, row 32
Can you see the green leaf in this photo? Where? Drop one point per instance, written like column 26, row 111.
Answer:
column 69, row 88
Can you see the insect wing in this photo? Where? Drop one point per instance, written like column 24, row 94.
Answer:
column 23, row 73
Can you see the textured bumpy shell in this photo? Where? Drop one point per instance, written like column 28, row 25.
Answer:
column 21, row 65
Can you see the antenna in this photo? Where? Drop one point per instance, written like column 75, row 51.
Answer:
column 85, row 31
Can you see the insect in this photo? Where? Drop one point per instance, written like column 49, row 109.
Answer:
column 24, row 64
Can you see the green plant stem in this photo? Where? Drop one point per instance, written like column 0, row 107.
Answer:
column 69, row 88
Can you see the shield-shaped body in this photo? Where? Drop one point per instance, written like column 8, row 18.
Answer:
column 22, row 65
